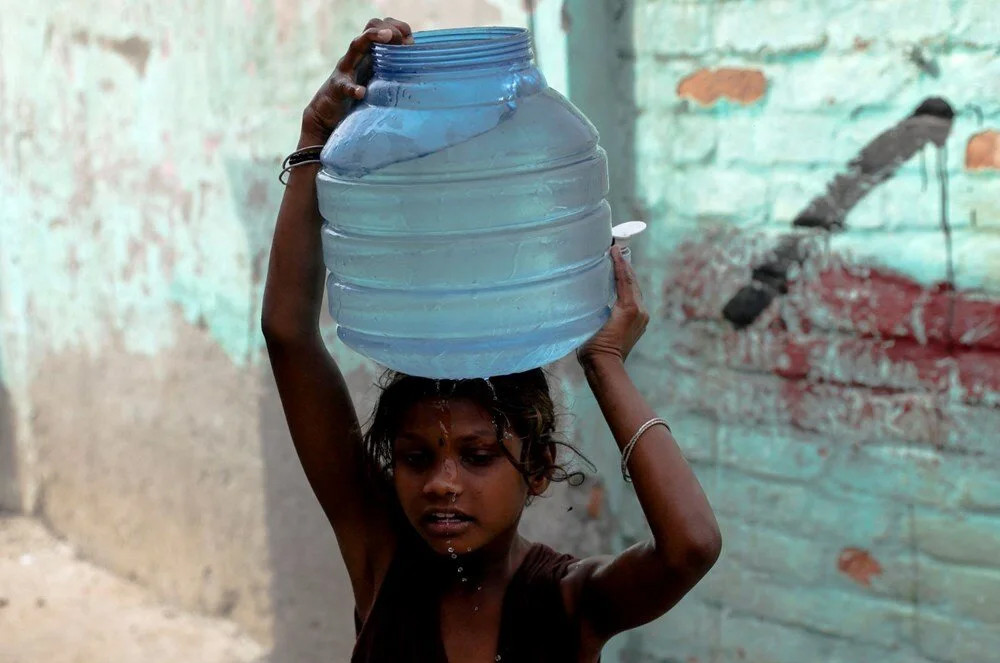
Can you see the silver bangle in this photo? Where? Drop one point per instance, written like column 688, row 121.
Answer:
column 283, row 176
column 301, row 157
column 627, row 451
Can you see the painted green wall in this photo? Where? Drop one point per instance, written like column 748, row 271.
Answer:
column 848, row 439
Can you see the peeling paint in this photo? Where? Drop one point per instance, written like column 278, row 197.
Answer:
column 134, row 49
column 859, row 565
column 706, row 86
column 982, row 152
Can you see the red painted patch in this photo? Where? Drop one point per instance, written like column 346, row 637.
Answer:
column 859, row 565
column 872, row 302
column 851, row 351
column 706, row 86
column 892, row 365
column 982, row 152
column 854, row 299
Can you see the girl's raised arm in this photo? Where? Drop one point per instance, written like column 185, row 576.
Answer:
column 613, row 594
column 321, row 417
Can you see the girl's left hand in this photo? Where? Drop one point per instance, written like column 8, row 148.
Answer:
column 628, row 317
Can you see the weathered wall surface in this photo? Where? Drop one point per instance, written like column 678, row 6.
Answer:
column 848, row 437
column 139, row 147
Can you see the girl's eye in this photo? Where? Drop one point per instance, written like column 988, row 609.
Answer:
column 414, row 459
column 481, row 459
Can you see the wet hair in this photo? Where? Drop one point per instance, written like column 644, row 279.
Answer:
column 518, row 401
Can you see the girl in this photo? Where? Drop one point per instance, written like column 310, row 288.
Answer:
column 426, row 504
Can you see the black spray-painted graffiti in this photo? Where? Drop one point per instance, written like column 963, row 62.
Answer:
column 878, row 161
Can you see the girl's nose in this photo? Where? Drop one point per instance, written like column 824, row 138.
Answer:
column 443, row 481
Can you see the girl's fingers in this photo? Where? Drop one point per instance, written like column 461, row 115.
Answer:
column 625, row 295
column 395, row 36
column 406, row 33
column 403, row 26
column 353, row 71
column 625, row 277
column 633, row 278
column 359, row 47
column 344, row 86
column 388, row 31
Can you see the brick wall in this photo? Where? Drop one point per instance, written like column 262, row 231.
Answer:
column 849, row 437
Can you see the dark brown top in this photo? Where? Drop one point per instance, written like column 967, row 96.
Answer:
column 403, row 625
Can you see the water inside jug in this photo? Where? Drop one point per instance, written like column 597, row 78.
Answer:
column 466, row 229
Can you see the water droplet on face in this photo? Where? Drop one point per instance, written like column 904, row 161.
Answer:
column 460, row 569
column 465, row 580
column 450, row 549
column 454, row 556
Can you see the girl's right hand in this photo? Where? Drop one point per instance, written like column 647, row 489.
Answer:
column 347, row 82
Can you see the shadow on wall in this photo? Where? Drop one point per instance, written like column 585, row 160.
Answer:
column 311, row 597
column 310, row 593
column 9, row 491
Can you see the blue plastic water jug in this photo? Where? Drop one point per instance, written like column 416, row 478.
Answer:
column 466, row 229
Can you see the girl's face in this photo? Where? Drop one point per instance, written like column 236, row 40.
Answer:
column 454, row 483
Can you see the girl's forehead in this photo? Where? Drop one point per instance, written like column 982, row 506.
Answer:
column 457, row 413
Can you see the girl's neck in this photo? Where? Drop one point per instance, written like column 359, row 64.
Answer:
column 491, row 566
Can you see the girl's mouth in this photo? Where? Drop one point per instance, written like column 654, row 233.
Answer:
column 446, row 523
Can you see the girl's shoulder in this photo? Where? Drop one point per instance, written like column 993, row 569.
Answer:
column 539, row 583
column 542, row 562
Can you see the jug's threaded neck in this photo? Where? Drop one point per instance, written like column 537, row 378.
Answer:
column 454, row 50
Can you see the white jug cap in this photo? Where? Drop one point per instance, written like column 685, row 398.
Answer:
column 624, row 232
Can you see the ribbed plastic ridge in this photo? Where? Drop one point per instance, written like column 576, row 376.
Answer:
column 454, row 49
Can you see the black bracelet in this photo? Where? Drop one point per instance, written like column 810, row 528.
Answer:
column 301, row 157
